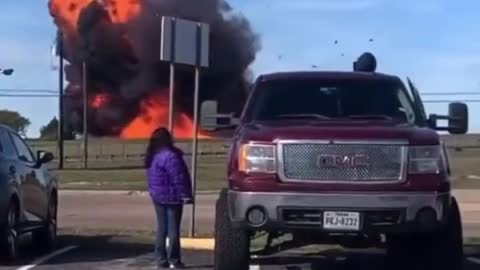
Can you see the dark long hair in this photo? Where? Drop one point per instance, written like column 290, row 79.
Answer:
column 160, row 138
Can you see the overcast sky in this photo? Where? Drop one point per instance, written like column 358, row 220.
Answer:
column 432, row 41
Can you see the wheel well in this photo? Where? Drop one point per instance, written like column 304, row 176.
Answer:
column 54, row 195
column 16, row 201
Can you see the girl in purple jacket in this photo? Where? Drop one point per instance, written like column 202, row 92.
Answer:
column 169, row 185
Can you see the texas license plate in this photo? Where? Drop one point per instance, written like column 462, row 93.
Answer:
column 343, row 221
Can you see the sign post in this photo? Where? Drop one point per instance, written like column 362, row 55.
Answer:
column 85, row 115
column 187, row 43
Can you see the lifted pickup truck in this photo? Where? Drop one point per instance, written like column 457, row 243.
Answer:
column 348, row 158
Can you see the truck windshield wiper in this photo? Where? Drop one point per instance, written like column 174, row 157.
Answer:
column 370, row 116
column 304, row 116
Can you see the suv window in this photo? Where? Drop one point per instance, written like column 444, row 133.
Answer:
column 6, row 145
column 24, row 152
column 355, row 99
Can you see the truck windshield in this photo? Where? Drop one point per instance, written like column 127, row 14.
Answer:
column 324, row 100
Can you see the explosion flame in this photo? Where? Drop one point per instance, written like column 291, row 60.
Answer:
column 119, row 41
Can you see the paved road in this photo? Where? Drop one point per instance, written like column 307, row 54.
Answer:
column 115, row 253
column 120, row 211
column 112, row 212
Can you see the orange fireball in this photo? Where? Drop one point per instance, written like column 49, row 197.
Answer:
column 154, row 114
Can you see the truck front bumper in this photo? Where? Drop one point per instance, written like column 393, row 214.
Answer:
column 378, row 212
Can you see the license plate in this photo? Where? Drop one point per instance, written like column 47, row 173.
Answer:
column 344, row 221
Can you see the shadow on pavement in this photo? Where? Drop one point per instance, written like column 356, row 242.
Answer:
column 336, row 259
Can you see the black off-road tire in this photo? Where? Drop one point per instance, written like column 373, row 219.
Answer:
column 232, row 246
column 9, row 238
column 447, row 245
column 45, row 238
column 442, row 249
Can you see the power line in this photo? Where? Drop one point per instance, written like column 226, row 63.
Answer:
column 451, row 94
column 29, row 95
column 29, row 91
column 448, row 101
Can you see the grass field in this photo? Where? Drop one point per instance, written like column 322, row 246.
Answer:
column 116, row 164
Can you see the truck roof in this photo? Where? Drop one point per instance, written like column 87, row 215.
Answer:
column 335, row 75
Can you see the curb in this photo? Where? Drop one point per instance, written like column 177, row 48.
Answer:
column 207, row 244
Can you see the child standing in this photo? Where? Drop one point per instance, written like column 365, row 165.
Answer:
column 169, row 185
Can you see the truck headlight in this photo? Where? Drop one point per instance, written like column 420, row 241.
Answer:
column 426, row 159
column 257, row 158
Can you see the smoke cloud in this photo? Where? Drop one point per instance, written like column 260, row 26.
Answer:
column 120, row 44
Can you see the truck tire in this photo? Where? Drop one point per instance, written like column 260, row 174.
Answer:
column 46, row 238
column 9, row 235
column 442, row 249
column 232, row 246
column 447, row 245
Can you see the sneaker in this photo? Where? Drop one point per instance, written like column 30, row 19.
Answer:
column 177, row 266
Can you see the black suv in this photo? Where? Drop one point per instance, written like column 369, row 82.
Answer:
column 28, row 199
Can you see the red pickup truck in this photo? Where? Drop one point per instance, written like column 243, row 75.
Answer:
column 347, row 158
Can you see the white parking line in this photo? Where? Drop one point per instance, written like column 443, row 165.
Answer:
column 48, row 257
column 254, row 267
column 474, row 260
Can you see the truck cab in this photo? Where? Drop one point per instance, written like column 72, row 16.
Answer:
column 349, row 158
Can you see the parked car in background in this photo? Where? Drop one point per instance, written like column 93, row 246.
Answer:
column 29, row 195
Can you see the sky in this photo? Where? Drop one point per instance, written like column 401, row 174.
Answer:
column 433, row 42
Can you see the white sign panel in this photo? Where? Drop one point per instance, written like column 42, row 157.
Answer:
column 185, row 42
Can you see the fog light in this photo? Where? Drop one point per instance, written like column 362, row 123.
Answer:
column 427, row 218
column 256, row 217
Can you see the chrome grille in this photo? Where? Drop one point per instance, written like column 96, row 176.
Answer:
column 341, row 162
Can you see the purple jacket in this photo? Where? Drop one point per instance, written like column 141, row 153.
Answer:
column 169, row 180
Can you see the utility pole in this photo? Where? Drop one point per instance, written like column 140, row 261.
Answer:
column 60, row 100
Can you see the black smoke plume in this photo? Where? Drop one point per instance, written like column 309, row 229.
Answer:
column 122, row 62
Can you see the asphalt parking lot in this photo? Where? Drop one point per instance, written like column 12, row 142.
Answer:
column 125, row 253
column 118, row 235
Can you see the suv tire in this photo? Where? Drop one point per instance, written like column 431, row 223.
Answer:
column 9, row 237
column 46, row 237
column 232, row 246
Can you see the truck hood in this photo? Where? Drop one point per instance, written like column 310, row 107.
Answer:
column 327, row 130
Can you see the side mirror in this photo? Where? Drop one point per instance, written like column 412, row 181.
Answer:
column 457, row 119
column 211, row 120
column 44, row 157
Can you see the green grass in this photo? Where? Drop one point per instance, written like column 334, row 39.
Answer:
column 116, row 166
column 209, row 178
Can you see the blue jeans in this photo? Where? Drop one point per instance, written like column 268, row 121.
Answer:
column 169, row 218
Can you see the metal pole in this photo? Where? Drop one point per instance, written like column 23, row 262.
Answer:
column 195, row 128
column 171, row 109
column 194, row 150
column 60, row 102
column 85, row 116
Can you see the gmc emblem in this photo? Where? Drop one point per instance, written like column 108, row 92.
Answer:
column 343, row 161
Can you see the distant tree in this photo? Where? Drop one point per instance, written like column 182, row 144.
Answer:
column 15, row 121
column 50, row 131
